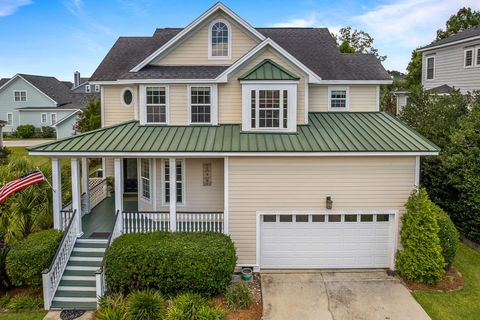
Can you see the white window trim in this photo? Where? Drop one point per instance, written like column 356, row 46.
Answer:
column 213, row 104
column 15, row 91
column 9, row 124
column 88, row 89
column 229, row 56
column 347, row 98
column 51, row 118
column 143, row 105
column 133, row 97
column 426, row 68
column 162, row 181
column 472, row 49
column 476, row 57
column 41, row 118
column 292, row 105
column 140, row 177
column 97, row 88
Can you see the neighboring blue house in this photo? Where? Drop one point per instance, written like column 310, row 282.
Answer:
column 40, row 101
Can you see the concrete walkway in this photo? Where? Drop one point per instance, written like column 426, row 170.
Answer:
column 337, row 296
column 24, row 143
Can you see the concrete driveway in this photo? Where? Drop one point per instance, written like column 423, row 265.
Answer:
column 322, row 295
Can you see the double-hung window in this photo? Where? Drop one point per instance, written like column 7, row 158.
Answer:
column 178, row 180
column 9, row 119
column 53, row 118
column 156, row 105
column 269, row 107
column 201, row 105
column 338, row 98
column 477, row 59
column 430, row 68
column 145, row 179
column 43, row 118
column 19, row 95
column 468, row 57
column 97, row 88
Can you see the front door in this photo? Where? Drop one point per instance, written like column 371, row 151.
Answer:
column 130, row 174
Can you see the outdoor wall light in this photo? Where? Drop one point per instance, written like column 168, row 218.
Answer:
column 329, row 202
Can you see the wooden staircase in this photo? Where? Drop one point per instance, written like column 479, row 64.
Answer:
column 77, row 288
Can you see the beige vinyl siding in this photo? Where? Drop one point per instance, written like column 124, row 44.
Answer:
column 230, row 94
column 178, row 104
column 449, row 68
column 109, row 167
column 302, row 184
column 198, row 198
column 194, row 49
column 362, row 98
column 114, row 111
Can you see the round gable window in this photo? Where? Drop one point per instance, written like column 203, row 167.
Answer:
column 127, row 97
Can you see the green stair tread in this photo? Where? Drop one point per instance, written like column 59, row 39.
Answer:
column 77, row 283
column 76, row 294
column 79, row 273
column 90, row 245
column 73, row 305
column 84, row 263
column 87, row 254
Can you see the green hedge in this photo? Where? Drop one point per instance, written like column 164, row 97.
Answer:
column 28, row 258
column 170, row 262
column 449, row 237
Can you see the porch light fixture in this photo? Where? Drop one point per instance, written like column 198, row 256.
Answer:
column 329, row 203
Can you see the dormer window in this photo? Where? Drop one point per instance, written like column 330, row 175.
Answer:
column 219, row 46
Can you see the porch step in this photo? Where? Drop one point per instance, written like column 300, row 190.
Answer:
column 77, row 283
column 72, row 263
column 88, row 249
column 65, row 305
column 75, row 294
column 92, row 241
column 94, row 254
column 91, row 244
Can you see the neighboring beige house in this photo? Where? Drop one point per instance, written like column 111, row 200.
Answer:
column 452, row 62
column 270, row 135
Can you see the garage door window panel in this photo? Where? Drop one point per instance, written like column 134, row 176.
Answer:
column 269, row 218
column 286, row 218
column 383, row 217
column 318, row 218
column 350, row 218
column 301, row 218
column 366, row 218
column 335, row 218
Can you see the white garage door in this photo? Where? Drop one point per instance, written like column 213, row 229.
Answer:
column 326, row 241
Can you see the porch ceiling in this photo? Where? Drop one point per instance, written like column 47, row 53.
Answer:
column 326, row 132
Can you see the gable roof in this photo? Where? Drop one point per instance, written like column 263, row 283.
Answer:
column 3, row 81
column 327, row 132
column 268, row 70
column 443, row 89
column 466, row 35
column 313, row 47
column 54, row 89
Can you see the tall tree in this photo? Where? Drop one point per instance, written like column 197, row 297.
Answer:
column 90, row 119
column 356, row 41
column 463, row 19
column 414, row 70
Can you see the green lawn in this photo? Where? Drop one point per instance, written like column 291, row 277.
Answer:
column 463, row 304
column 23, row 315
column 22, row 151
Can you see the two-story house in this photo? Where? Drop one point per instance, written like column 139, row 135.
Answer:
column 83, row 85
column 270, row 135
column 40, row 101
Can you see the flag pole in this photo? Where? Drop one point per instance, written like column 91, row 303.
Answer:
column 46, row 180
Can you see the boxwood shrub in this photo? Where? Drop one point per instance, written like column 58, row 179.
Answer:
column 170, row 262
column 27, row 259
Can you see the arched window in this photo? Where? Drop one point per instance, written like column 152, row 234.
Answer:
column 219, row 40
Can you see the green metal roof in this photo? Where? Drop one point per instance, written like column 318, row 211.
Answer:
column 268, row 70
column 326, row 132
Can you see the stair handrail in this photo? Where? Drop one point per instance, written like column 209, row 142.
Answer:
column 100, row 273
column 51, row 277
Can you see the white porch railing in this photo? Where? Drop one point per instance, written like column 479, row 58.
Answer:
column 145, row 221
column 51, row 277
column 200, row 222
column 67, row 215
column 97, row 188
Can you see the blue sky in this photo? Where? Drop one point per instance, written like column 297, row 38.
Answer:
column 57, row 37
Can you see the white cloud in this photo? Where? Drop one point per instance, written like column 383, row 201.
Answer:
column 310, row 21
column 9, row 7
column 75, row 7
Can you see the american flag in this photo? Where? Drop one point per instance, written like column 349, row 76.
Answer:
column 21, row 183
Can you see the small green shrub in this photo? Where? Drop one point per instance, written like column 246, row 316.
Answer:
column 4, row 282
column 146, row 305
column 449, row 237
column 171, row 262
column 211, row 313
column 421, row 259
column 45, row 132
column 29, row 257
column 25, row 131
column 23, row 302
column 112, row 307
column 186, row 306
column 4, row 152
column 4, row 300
column 239, row 296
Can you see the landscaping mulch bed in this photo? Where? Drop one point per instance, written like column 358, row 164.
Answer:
column 452, row 281
column 255, row 311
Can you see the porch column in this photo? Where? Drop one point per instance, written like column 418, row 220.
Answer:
column 57, row 193
column 118, row 186
column 172, row 165
column 85, row 186
column 225, row 195
column 76, row 193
